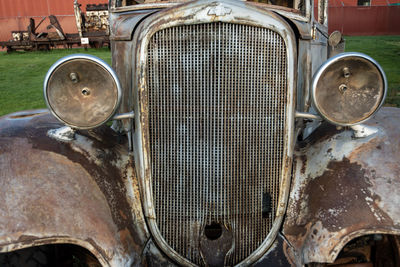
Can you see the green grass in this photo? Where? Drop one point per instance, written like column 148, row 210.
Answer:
column 386, row 51
column 22, row 75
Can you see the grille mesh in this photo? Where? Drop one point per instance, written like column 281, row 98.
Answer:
column 217, row 112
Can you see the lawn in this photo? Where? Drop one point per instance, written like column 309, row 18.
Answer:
column 22, row 73
column 386, row 51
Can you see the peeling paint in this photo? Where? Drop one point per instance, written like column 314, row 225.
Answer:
column 80, row 196
column 344, row 187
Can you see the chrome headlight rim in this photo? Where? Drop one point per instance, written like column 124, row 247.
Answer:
column 333, row 60
column 96, row 60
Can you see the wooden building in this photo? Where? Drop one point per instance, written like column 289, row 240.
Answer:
column 15, row 14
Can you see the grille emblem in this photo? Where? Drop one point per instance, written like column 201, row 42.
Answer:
column 219, row 10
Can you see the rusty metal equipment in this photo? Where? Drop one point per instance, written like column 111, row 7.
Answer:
column 31, row 40
column 217, row 155
column 93, row 30
column 93, row 26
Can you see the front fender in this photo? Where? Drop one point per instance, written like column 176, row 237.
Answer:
column 344, row 187
column 82, row 192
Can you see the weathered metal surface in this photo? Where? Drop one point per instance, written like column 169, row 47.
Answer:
column 65, row 133
column 82, row 91
column 206, row 136
column 123, row 25
column 97, row 17
column 216, row 245
column 348, row 88
column 294, row 10
column 303, row 76
column 198, row 13
column 281, row 254
column 152, row 256
column 122, row 63
column 83, row 192
column 344, row 187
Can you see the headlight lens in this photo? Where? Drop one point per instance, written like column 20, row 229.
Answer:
column 82, row 91
column 349, row 88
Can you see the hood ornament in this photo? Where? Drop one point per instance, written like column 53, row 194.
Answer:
column 219, row 10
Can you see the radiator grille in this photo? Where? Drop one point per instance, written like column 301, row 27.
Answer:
column 217, row 101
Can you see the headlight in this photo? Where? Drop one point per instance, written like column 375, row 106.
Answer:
column 82, row 91
column 349, row 88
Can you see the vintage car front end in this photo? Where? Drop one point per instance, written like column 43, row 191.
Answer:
column 208, row 132
column 221, row 109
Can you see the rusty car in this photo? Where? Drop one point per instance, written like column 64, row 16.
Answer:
column 226, row 133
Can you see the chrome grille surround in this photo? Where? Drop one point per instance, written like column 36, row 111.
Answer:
column 216, row 131
column 148, row 126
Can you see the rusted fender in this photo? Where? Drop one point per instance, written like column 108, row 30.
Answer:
column 280, row 254
column 82, row 192
column 123, row 24
column 344, row 187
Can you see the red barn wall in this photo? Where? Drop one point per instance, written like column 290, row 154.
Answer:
column 365, row 20
column 344, row 15
column 380, row 18
column 15, row 14
column 338, row 3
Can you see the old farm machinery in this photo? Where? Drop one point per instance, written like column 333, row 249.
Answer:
column 92, row 26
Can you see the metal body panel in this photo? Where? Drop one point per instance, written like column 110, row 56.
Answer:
column 124, row 23
column 303, row 76
column 121, row 62
column 344, row 187
column 319, row 46
column 82, row 192
column 89, row 191
column 281, row 254
column 197, row 13
column 291, row 13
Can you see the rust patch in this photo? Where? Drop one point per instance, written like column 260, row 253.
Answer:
column 103, row 156
column 303, row 159
column 126, row 238
column 108, row 177
column 348, row 188
column 338, row 197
